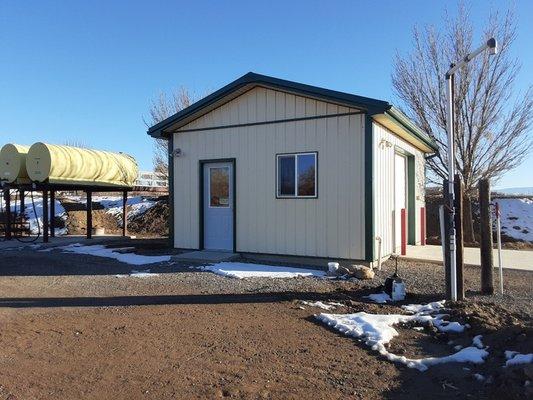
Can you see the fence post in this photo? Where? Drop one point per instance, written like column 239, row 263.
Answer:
column 459, row 189
column 89, row 214
column 124, row 213
column 7, row 200
column 487, row 280
column 46, row 215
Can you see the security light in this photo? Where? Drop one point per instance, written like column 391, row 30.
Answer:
column 492, row 46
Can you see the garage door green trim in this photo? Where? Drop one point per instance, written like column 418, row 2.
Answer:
column 411, row 190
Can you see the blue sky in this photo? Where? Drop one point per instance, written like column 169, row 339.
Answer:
column 86, row 70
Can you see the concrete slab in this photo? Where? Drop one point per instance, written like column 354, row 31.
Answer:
column 512, row 259
column 206, row 256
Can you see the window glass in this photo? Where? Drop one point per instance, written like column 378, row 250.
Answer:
column 286, row 176
column 306, row 174
column 219, row 187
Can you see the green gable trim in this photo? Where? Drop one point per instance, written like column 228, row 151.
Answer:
column 373, row 106
column 414, row 130
column 369, row 188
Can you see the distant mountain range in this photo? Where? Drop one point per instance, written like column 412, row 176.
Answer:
column 516, row 191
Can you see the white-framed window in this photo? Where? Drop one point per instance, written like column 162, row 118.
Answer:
column 296, row 175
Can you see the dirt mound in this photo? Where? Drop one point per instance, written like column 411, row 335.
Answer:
column 76, row 222
column 153, row 222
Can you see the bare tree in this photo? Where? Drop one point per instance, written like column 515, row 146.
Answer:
column 162, row 107
column 492, row 120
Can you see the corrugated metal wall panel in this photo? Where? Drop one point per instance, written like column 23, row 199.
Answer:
column 330, row 226
column 261, row 104
column 384, row 185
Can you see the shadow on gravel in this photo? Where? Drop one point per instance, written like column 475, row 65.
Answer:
column 244, row 298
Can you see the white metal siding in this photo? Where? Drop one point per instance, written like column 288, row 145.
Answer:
column 330, row 226
column 384, row 148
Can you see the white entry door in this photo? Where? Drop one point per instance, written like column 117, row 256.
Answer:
column 218, row 206
column 400, row 198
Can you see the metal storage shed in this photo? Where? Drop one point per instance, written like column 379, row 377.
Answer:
column 265, row 165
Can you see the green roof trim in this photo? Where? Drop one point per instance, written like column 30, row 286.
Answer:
column 414, row 130
column 367, row 104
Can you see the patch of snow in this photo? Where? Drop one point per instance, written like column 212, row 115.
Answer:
column 517, row 218
column 438, row 321
column 246, row 270
column 424, row 309
column 137, row 274
column 517, row 358
column 477, row 341
column 458, row 347
column 35, row 219
column 447, row 326
column 379, row 298
column 479, row 377
column 102, row 251
column 510, row 354
column 113, row 205
column 377, row 330
column 324, row 306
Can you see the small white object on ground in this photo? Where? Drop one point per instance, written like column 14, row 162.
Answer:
column 379, row 298
column 248, row 270
column 102, row 251
column 377, row 330
column 515, row 358
column 333, row 267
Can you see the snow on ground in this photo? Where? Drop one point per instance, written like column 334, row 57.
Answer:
column 477, row 341
column 379, row 298
column 377, row 330
column 137, row 274
column 324, row 306
column 246, row 270
column 36, row 218
column 113, row 204
column 102, row 251
column 515, row 358
column 517, row 218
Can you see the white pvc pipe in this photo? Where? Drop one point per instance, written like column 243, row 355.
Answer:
column 378, row 238
column 499, row 239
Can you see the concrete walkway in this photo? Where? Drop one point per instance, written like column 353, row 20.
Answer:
column 512, row 259
column 209, row 256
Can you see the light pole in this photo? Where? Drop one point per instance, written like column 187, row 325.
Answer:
column 490, row 45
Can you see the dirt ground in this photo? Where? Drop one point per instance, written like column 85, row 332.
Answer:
column 72, row 329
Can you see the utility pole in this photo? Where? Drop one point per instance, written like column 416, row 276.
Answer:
column 490, row 45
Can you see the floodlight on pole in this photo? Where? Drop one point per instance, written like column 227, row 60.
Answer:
column 492, row 46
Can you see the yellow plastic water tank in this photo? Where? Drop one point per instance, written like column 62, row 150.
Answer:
column 13, row 163
column 69, row 165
